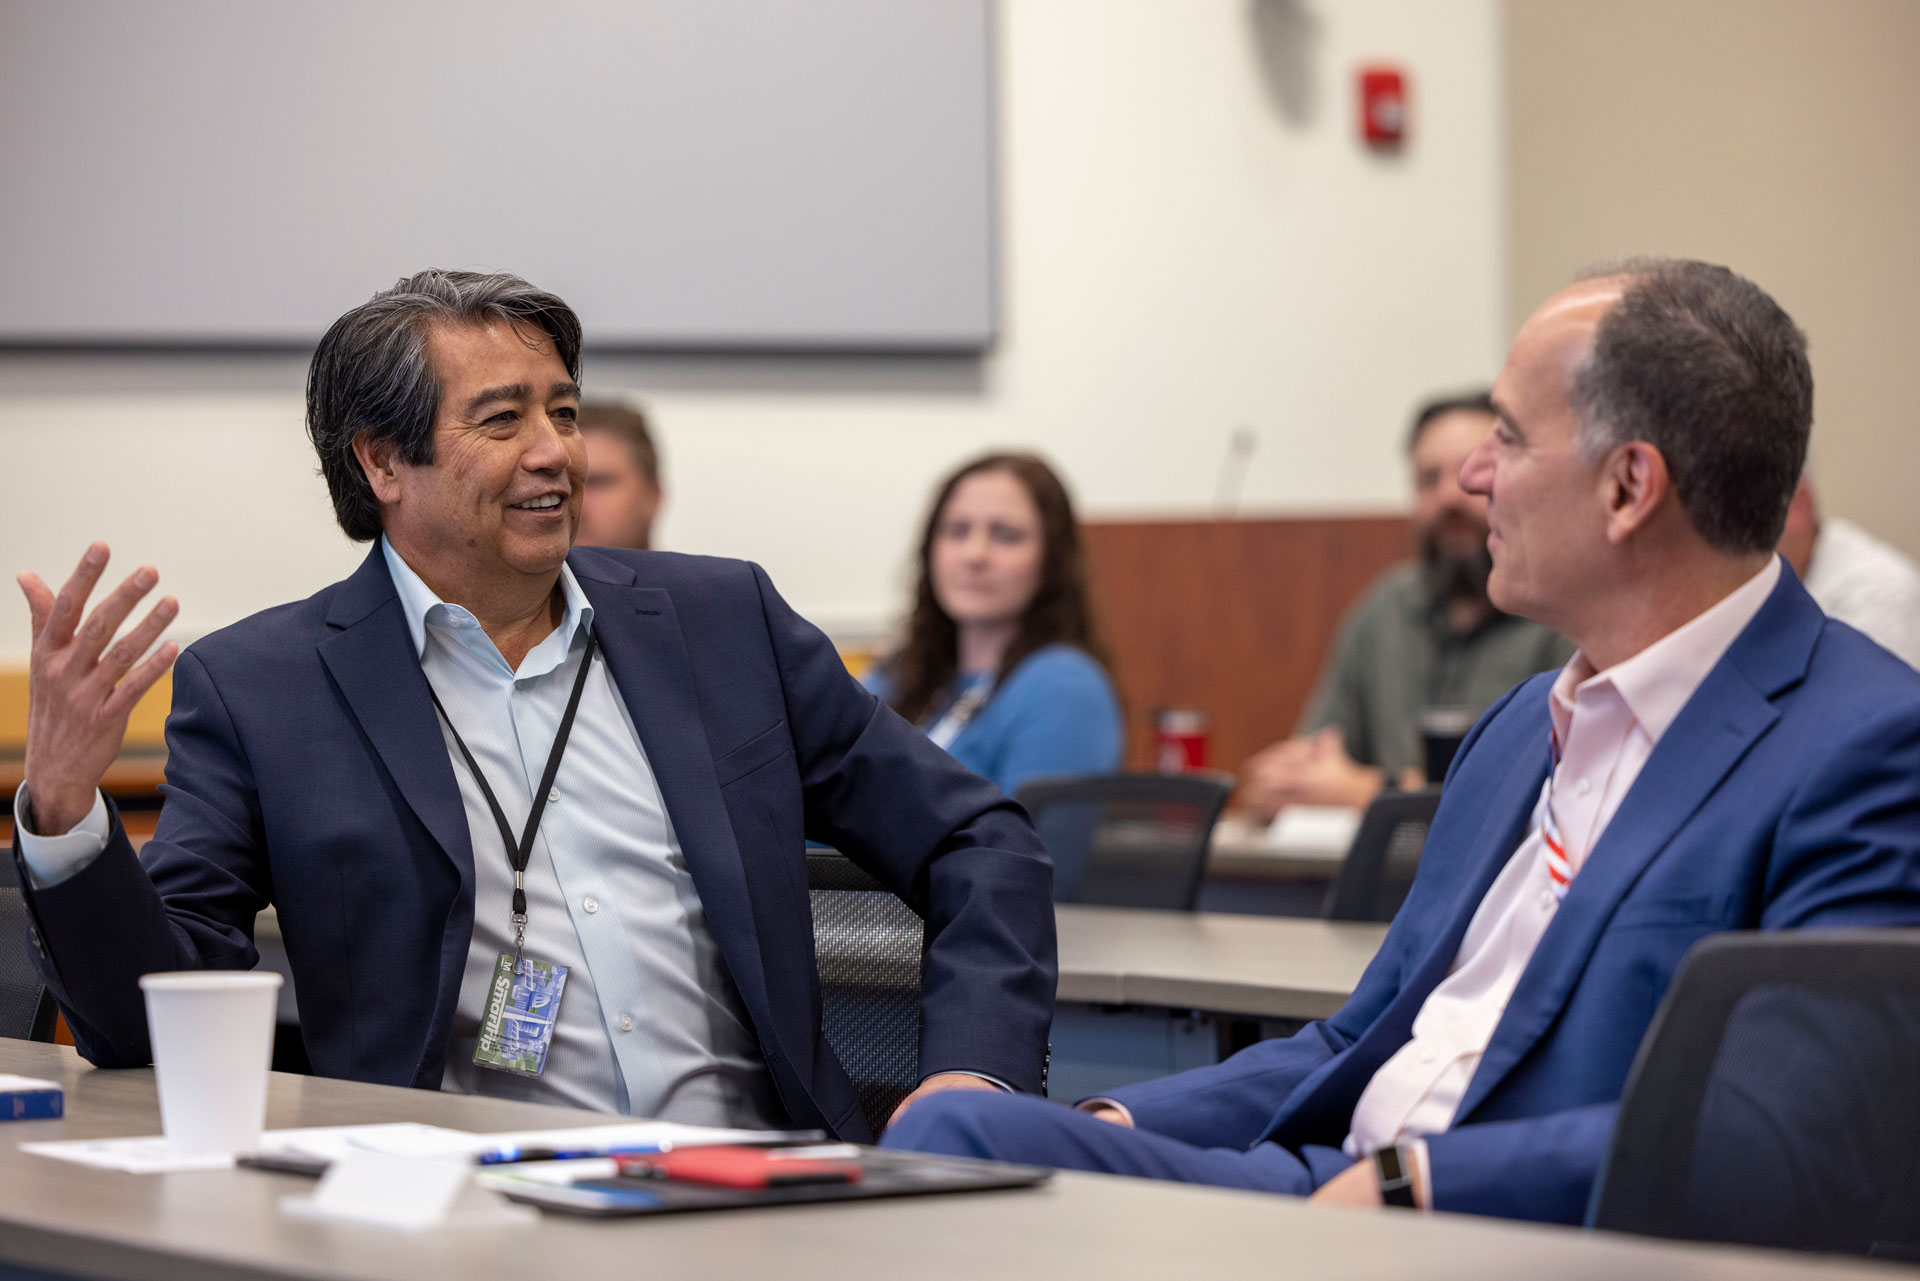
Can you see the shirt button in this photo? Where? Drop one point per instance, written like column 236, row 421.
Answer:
column 1546, row 900
column 1428, row 1055
column 626, row 1022
column 591, row 903
column 553, row 797
column 1583, row 787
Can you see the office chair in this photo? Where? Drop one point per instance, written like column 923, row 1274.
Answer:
column 1776, row 1099
column 26, row 1011
column 867, row 945
column 1377, row 872
column 1128, row 840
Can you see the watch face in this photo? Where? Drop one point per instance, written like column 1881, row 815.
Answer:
column 1387, row 1162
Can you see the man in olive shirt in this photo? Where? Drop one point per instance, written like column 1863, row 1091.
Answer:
column 1425, row 636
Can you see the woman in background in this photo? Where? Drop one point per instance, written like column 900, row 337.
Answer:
column 1002, row 664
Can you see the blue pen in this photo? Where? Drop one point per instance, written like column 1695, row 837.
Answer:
column 512, row 1156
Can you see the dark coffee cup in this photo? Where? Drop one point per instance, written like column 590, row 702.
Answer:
column 1441, row 731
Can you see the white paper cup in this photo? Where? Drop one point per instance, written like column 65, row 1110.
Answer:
column 212, row 1035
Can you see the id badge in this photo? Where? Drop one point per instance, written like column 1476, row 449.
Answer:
column 522, row 1003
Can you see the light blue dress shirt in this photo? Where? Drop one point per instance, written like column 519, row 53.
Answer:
column 648, row 997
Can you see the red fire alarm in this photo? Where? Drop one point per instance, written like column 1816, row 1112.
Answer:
column 1383, row 106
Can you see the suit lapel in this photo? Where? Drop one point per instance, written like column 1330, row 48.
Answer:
column 1727, row 714
column 646, row 653
column 1509, row 814
column 1320, row 1108
column 371, row 659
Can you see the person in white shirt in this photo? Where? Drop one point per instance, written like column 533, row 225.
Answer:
column 1717, row 755
column 1854, row 576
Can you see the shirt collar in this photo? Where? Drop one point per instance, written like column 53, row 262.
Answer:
column 423, row 609
column 1656, row 683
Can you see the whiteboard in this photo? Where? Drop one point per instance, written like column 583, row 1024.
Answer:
column 717, row 174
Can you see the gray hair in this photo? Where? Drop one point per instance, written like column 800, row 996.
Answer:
column 1704, row 366
column 371, row 373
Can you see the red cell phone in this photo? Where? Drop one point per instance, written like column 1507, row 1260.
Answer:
column 739, row 1167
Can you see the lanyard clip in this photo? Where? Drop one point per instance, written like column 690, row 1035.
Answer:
column 519, row 913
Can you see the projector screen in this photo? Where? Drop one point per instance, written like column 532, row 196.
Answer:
column 689, row 174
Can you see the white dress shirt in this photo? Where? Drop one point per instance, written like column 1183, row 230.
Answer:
column 1608, row 724
column 1864, row 583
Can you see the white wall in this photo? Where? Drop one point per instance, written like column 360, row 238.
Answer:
column 1775, row 136
column 1193, row 240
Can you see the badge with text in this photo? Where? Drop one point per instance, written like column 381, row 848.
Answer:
column 522, row 1002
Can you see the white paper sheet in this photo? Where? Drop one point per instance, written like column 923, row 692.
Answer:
column 1313, row 829
column 411, row 1193
column 149, row 1154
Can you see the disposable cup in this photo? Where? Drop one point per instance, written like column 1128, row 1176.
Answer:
column 212, row 1035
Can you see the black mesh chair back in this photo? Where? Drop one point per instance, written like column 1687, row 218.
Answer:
column 1377, row 872
column 26, row 1011
column 1776, row 1099
column 868, row 947
column 1128, row 840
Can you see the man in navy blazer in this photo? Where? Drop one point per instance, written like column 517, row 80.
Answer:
column 308, row 769
column 1763, row 772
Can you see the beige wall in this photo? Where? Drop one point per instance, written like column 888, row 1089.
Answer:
column 1193, row 241
column 1781, row 137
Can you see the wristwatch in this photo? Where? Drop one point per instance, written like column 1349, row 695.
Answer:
column 1395, row 1172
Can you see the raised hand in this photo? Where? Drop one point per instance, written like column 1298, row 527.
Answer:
column 82, row 683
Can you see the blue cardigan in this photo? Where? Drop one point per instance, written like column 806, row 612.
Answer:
column 1056, row 713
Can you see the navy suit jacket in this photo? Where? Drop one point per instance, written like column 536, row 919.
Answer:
column 306, row 769
column 1786, row 794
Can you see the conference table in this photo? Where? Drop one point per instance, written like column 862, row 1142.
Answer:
column 62, row 1219
column 1246, row 966
column 1276, row 869
column 1144, row 993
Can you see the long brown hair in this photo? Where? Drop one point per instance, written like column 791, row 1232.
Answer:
column 929, row 657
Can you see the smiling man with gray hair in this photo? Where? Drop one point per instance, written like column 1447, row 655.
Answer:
column 487, row 758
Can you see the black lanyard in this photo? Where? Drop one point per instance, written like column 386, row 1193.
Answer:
column 519, row 850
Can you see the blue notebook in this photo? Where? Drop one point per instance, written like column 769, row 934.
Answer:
column 22, row 1098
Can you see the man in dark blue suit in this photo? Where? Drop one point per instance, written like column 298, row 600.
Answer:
column 486, row 749
column 1718, row 755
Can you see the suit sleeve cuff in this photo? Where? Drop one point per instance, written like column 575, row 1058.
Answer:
column 53, row 859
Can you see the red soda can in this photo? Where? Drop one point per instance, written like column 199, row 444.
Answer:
column 1180, row 735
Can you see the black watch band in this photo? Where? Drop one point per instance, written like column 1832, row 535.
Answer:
column 1395, row 1173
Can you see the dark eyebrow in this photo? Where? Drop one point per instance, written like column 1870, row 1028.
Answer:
column 492, row 395
column 517, row 391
